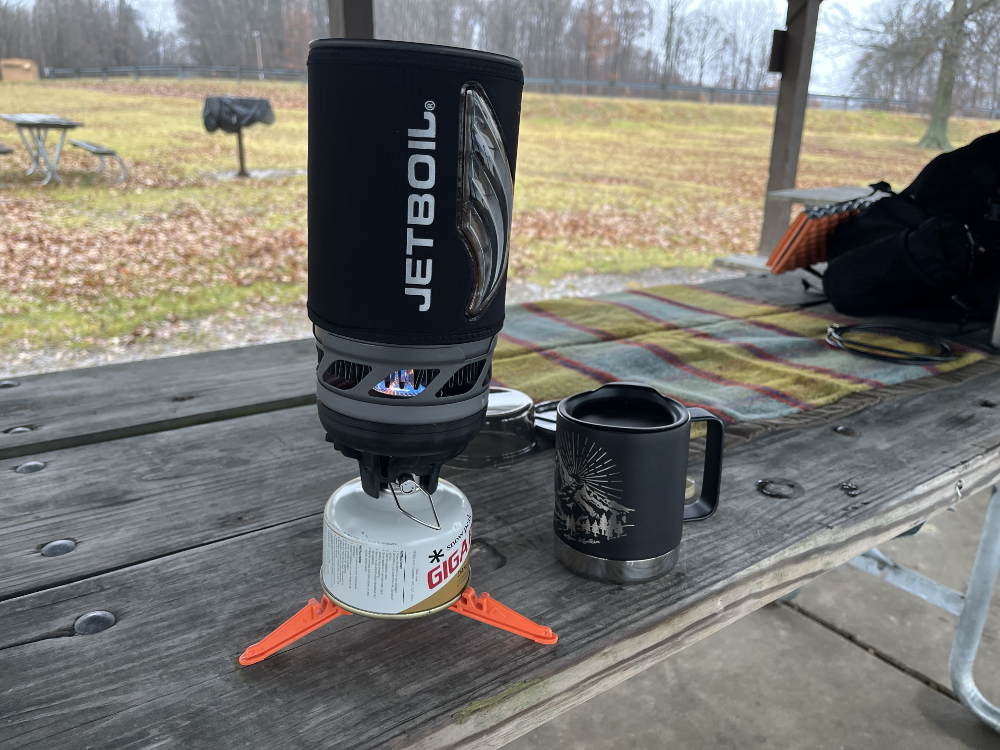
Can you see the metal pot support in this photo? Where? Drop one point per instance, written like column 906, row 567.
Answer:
column 409, row 486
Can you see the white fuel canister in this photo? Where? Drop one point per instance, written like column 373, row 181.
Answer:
column 403, row 554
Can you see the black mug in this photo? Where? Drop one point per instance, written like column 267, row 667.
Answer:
column 621, row 470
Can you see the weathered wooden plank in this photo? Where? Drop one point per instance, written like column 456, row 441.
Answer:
column 166, row 673
column 132, row 500
column 76, row 407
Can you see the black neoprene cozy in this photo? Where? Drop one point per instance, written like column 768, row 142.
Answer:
column 364, row 97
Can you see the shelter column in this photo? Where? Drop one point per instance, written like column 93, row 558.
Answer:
column 793, row 95
column 351, row 19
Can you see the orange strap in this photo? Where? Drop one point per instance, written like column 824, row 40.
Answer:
column 486, row 609
column 306, row 620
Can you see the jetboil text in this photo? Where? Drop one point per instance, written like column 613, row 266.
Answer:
column 420, row 171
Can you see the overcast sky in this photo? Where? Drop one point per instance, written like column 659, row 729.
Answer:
column 832, row 64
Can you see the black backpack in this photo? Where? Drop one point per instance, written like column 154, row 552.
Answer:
column 931, row 251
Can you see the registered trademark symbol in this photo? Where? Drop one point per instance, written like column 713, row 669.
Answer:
column 429, row 105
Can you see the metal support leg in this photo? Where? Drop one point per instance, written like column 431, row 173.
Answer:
column 54, row 161
column 971, row 608
column 121, row 163
column 239, row 143
column 38, row 135
column 973, row 618
column 100, row 166
column 32, row 152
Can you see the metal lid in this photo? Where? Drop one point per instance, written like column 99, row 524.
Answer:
column 545, row 417
column 506, row 402
column 508, row 433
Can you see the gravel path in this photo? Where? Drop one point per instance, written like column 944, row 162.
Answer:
column 269, row 324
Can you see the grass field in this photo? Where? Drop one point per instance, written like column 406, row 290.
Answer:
column 603, row 185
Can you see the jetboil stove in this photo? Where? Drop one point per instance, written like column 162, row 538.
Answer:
column 412, row 150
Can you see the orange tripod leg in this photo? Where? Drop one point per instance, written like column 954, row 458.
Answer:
column 306, row 620
column 486, row 609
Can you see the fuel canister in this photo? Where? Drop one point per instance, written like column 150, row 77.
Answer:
column 402, row 554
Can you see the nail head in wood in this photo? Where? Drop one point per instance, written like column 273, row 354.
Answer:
column 58, row 547
column 17, row 430
column 29, row 467
column 779, row 487
column 8, row 384
column 93, row 622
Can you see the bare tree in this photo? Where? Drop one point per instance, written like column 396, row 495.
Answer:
column 941, row 52
column 703, row 44
column 16, row 33
column 673, row 38
column 221, row 32
column 632, row 21
column 952, row 35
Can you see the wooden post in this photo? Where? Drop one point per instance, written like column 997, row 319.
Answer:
column 351, row 19
column 793, row 95
column 239, row 143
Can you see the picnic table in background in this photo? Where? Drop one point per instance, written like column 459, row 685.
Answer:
column 34, row 129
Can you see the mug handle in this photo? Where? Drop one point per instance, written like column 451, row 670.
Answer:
column 711, row 482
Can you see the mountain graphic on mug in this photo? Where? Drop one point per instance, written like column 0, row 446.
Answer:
column 587, row 492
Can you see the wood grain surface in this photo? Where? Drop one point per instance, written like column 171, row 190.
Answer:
column 166, row 673
column 76, row 407
column 127, row 501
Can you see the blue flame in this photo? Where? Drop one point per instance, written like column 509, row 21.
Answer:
column 400, row 383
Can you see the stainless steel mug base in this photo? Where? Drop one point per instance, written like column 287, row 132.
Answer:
column 615, row 571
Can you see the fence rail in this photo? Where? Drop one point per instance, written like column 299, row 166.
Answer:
column 709, row 94
column 181, row 72
column 718, row 94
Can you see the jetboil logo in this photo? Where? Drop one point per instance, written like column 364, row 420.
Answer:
column 421, row 172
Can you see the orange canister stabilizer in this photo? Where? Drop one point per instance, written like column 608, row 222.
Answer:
column 486, row 609
column 317, row 614
column 306, row 620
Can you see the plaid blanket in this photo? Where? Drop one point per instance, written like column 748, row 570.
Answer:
column 740, row 359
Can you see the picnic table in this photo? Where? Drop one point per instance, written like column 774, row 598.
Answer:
column 33, row 130
column 191, row 490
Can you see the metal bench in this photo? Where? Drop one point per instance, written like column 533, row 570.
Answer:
column 101, row 152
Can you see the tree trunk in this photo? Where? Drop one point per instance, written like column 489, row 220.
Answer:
column 668, row 45
column 936, row 136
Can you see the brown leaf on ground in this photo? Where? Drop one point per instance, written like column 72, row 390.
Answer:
column 173, row 253
column 700, row 228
